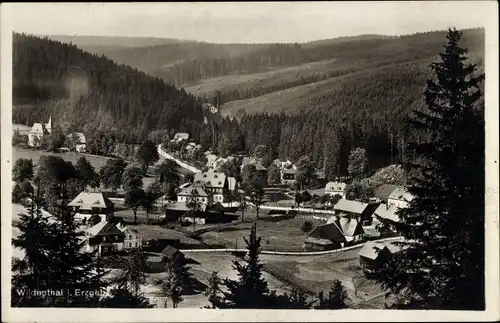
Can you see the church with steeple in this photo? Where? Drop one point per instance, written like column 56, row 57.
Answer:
column 38, row 132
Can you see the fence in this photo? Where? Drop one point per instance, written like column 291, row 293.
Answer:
column 301, row 209
column 290, row 253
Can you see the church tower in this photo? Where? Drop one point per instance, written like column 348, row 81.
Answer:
column 48, row 126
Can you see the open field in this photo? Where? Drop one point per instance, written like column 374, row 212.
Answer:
column 259, row 80
column 316, row 273
column 202, row 265
column 277, row 234
column 23, row 129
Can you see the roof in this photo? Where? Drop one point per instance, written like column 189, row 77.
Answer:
column 192, row 190
column 104, row 228
column 89, row 200
column 383, row 191
column 393, row 246
column 349, row 226
column 323, row 242
column 401, row 193
column 350, row 206
column 328, row 231
column 231, row 183
column 210, row 179
column 169, row 251
column 39, row 129
column 387, row 212
column 78, row 136
column 371, row 250
column 124, row 228
column 335, row 186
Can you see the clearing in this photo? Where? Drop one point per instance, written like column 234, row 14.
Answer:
column 277, row 234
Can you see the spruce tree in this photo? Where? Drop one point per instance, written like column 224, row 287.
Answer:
column 177, row 281
column 214, row 291
column 250, row 289
column 442, row 263
column 337, row 296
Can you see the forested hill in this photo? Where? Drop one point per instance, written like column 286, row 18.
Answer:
column 101, row 44
column 89, row 92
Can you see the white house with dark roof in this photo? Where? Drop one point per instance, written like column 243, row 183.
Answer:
column 87, row 204
column 336, row 188
column 38, row 131
column 215, row 184
column 400, row 197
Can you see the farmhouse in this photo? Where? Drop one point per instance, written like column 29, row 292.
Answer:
column 354, row 209
column 78, row 140
column 214, row 183
column 288, row 176
column 38, row 132
column 350, row 228
column 132, row 238
column 373, row 255
column 386, row 213
column 197, row 192
column 336, row 188
column 87, row 204
column 383, row 191
column 325, row 237
column 172, row 254
column 400, row 197
column 105, row 237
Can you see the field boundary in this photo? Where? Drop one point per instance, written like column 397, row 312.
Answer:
column 284, row 253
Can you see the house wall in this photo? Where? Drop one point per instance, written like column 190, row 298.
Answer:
column 184, row 198
column 132, row 240
column 333, row 193
column 32, row 140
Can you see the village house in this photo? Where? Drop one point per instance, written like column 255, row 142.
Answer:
column 336, row 188
column 374, row 255
column 353, row 209
column 382, row 192
column 288, row 176
column 214, row 183
column 351, row 228
column 400, row 197
column 87, row 204
column 172, row 254
column 325, row 237
column 187, row 194
column 108, row 238
column 132, row 238
column 38, row 132
column 79, row 141
column 386, row 216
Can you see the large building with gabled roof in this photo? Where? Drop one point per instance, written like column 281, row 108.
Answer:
column 38, row 132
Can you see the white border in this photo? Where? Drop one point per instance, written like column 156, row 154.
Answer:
column 188, row 315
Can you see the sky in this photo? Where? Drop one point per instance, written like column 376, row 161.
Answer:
column 260, row 22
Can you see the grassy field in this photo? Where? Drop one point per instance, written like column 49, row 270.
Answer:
column 259, row 80
column 316, row 273
column 277, row 234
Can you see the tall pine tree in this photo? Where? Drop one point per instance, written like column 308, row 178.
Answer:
column 442, row 263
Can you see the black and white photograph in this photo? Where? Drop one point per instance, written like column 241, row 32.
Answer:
column 317, row 159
